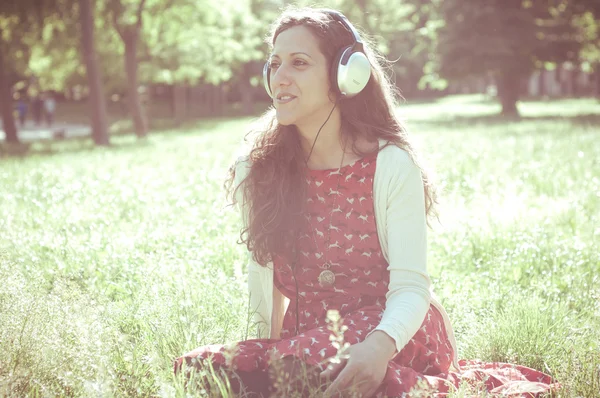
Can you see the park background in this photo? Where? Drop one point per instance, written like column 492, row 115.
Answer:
column 117, row 250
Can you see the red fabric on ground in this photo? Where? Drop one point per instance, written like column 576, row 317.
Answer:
column 340, row 229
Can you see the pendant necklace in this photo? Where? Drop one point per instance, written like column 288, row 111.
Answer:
column 326, row 278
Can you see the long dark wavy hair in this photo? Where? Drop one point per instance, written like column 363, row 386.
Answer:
column 274, row 187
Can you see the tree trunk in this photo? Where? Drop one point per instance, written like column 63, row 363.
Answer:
column 508, row 93
column 247, row 100
column 542, row 83
column 575, row 74
column 559, row 80
column 96, row 98
column 179, row 103
column 6, row 103
column 597, row 73
column 130, row 37
column 217, row 101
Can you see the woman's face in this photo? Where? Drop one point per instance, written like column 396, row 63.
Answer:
column 299, row 77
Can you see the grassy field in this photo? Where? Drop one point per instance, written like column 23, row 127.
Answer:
column 114, row 261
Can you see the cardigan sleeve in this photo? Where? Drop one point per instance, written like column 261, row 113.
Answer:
column 408, row 295
column 258, row 303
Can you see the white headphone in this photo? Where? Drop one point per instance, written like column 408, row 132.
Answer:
column 350, row 68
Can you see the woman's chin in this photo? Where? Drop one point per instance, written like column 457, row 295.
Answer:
column 285, row 121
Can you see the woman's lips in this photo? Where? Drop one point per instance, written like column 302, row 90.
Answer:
column 285, row 99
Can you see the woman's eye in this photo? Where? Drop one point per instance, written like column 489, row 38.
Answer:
column 297, row 62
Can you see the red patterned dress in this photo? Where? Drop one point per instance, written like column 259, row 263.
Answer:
column 341, row 230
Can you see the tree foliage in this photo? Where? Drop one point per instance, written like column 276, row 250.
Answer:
column 185, row 42
column 505, row 40
column 20, row 23
column 587, row 22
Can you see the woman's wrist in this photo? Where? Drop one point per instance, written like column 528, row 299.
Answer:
column 383, row 343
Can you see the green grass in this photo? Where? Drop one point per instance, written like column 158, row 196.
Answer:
column 114, row 261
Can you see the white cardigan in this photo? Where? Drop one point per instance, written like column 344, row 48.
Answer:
column 402, row 230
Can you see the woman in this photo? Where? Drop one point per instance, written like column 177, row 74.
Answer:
column 335, row 209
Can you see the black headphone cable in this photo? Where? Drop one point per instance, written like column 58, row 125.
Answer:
column 319, row 132
column 296, row 240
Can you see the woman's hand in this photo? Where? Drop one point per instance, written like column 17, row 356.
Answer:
column 365, row 366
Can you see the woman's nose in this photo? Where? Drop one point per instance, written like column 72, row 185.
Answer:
column 281, row 76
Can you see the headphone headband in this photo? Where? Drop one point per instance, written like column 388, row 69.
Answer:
column 338, row 16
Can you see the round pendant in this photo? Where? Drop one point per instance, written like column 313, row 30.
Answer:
column 326, row 278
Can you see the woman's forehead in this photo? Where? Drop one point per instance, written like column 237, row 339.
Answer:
column 297, row 39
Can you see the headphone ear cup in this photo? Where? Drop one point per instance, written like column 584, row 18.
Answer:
column 267, row 79
column 335, row 67
column 354, row 72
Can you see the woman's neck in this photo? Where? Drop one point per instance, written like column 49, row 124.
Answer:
column 326, row 152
